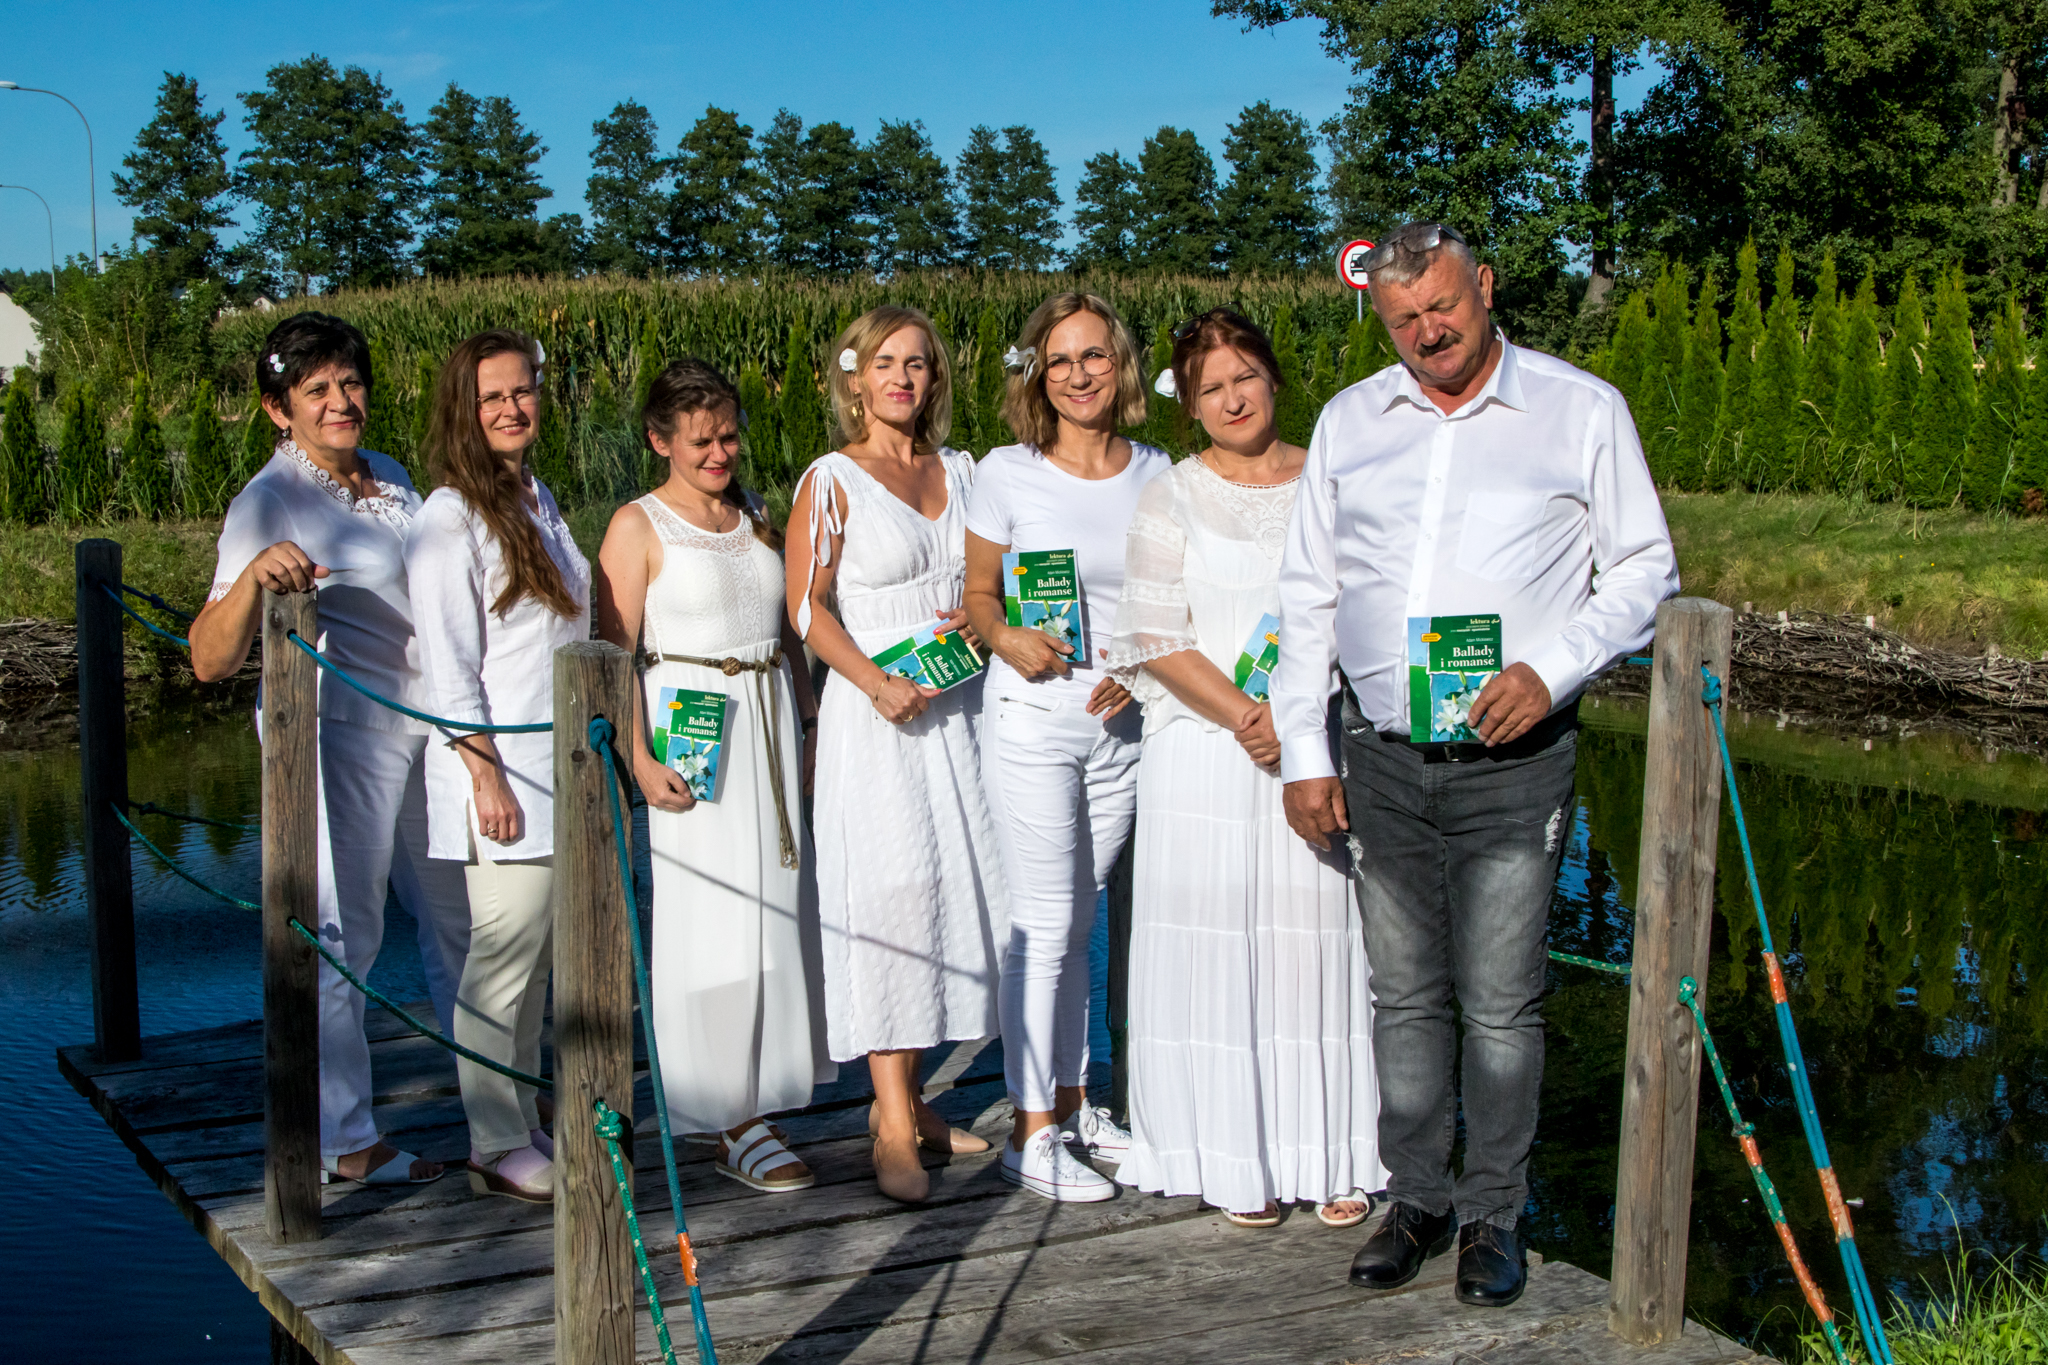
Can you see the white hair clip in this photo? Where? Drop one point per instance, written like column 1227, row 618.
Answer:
column 1164, row 385
column 540, row 353
column 276, row 363
column 1021, row 362
column 849, row 360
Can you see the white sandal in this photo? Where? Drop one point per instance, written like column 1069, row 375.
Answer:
column 397, row 1171
column 756, row 1151
column 1338, row 1220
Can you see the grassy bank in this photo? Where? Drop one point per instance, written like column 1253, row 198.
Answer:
column 1950, row 579
column 1989, row 1313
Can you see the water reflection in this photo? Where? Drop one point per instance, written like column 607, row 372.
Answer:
column 1906, row 884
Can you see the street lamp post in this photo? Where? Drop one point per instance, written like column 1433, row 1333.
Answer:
column 50, row 221
column 91, row 174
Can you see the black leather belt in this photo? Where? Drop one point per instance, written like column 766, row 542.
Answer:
column 1541, row 736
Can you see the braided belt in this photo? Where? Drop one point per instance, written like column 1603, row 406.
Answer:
column 769, row 697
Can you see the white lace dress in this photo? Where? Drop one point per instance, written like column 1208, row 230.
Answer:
column 910, row 887
column 1251, row 1005
column 734, row 1015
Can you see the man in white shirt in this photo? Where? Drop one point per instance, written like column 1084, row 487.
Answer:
column 1474, row 478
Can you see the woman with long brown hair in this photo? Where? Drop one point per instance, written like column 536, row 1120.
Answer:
column 690, row 579
column 498, row 586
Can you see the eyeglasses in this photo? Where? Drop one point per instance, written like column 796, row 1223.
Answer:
column 1094, row 361
column 1415, row 237
column 491, row 404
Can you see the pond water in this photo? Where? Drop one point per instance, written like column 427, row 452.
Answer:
column 1907, row 880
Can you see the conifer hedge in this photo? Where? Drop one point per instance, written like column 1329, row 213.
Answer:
column 1826, row 393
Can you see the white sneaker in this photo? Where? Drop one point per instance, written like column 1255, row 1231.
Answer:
column 1092, row 1130
column 1046, row 1167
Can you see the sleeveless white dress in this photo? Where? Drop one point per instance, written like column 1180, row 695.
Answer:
column 735, row 1018
column 910, row 886
column 1251, row 998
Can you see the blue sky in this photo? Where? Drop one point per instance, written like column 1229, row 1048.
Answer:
column 1087, row 77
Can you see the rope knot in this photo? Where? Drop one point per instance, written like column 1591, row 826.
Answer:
column 609, row 1128
column 1711, row 691
column 600, row 732
column 1688, row 990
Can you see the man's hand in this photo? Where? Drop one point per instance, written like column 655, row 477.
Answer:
column 1509, row 705
column 1315, row 810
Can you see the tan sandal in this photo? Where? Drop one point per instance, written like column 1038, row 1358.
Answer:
column 1268, row 1217
column 750, row 1157
column 959, row 1142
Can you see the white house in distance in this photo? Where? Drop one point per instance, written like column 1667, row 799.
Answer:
column 17, row 335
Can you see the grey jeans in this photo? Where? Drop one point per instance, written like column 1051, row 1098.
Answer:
column 1455, row 867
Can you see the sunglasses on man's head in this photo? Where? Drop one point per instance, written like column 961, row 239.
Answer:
column 1412, row 236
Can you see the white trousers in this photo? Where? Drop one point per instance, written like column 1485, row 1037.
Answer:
column 372, row 830
column 1063, row 788
column 504, row 993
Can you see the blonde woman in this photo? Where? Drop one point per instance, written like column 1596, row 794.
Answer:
column 1252, row 1081
column 1060, row 746
column 498, row 586
column 693, row 571
column 910, row 886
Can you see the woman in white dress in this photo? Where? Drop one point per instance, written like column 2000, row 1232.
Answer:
column 1060, row 747
column 693, row 572
column 498, row 586
column 1252, row 1080
column 910, row 887
column 324, row 512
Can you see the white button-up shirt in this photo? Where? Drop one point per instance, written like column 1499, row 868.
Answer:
column 1532, row 500
column 496, row 670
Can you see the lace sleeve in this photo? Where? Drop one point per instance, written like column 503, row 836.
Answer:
column 1152, row 618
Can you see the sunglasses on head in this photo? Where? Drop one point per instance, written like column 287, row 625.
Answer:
column 1193, row 324
column 1412, row 236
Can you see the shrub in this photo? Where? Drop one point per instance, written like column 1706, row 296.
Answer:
column 24, row 488
column 145, row 465
column 84, row 481
column 207, row 471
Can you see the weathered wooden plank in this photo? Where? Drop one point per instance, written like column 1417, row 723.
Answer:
column 103, row 789
column 591, row 1288
column 1674, row 922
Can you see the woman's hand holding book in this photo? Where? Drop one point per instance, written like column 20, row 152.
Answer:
column 898, row 700
column 1031, row 652
column 662, row 785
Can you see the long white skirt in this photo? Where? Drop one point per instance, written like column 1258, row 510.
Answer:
column 735, row 1008
column 1251, row 1000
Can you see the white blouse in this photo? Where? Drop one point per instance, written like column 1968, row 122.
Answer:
column 365, row 618
column 495, row 670
column 1201, row 567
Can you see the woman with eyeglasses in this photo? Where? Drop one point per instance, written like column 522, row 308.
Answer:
column 1059, row 742
column 1252, row 1080
column 498, row 586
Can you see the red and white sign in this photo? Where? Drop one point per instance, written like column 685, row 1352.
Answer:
column 1349, row 264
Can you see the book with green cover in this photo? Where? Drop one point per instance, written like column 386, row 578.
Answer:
column 692, row 738
column 1450, row 658
column 1254, row 673
column 1042, row 591
column 934, row 656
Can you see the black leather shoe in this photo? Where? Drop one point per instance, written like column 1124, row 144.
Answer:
column 1493, row 1269
column 1394, row 1255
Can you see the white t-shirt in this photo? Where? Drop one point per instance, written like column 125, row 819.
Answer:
column 365, row 615
column 1025, row 501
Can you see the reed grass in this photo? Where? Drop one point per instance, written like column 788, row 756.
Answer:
column 1992, row 1311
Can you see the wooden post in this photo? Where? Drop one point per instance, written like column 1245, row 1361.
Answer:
column 1674, row 918
column 594, row 1270
column 291, row 890
column 103, row 787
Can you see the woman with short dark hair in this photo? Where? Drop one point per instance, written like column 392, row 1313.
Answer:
column 325, row 512
column 1252, row 1081
column 498, row 586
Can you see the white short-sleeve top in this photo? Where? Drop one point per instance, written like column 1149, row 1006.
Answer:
column 365, row 617
column 495, row 670
column 1025, row 501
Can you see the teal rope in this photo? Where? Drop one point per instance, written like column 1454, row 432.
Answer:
column 1618, row 968
column 371, row 991
column 1641, row 660
column 438, row 722
column 601, row 735
column 145, row 622
column 611, row 1128
column 156, row 602
column 1868, row 1323
column 151, row 808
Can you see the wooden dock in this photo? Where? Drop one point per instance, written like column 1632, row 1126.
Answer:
column 982, row 1272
